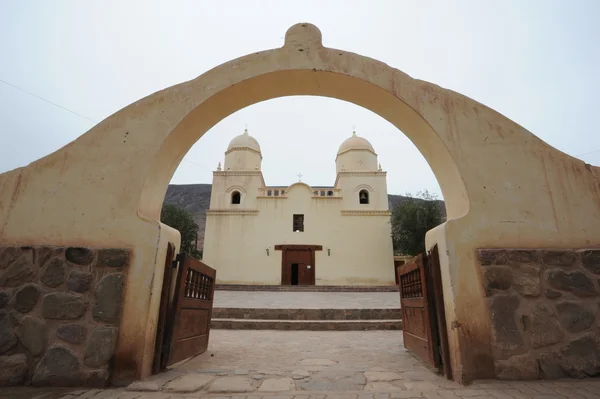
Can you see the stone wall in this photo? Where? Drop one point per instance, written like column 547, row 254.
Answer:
column 545, row 311
column 59, row 314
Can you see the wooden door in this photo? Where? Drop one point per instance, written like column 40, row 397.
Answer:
column 306, row 274
column 433, row 262
column 160, row 362
column 189, row 322
column 423, row 314
column 301, row 255
column 416, row 317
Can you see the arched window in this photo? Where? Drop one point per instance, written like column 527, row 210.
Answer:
column 363, row 197
column 236, row 197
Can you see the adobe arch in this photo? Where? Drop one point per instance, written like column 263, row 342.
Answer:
column 503, row 186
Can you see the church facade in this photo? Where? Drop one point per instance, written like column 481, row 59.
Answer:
column 300, row 235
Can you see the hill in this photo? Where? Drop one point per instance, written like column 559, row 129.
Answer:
column 195, row 198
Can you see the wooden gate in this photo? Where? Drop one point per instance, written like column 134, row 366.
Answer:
column 423, row 316
column 187, row 321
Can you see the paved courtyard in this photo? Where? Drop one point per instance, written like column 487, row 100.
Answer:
column 305, row 365
column 307, row 300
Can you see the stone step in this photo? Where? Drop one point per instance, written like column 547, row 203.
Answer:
column 307, row 288
column 307, row 325
column 306, row 314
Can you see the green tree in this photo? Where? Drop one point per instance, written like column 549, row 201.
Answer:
column 180, row 219
column 411, row 219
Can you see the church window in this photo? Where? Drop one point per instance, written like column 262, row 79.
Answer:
column 236, row 197
column 276, row 193
column 330, row 193
column 269, row 193
column 315, row 193
column 322, row 193
column 363, row 197
column 298, row 223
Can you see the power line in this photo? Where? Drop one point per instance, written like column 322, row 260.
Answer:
column 93, row 121
column 48, row 101
column 588, row 153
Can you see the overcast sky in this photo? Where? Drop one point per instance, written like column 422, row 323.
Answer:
column 537, row 62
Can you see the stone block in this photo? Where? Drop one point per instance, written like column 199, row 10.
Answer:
column 526, row 280
column 576, row 282
column 79, row 255
column 277, row 385
column 113, row 257
column 58, row 367
column 72, row 333
column 188, row 383
column 543, row 326
column 26, row 298
column 100, row 346
column 317, row 362
column 108, row 297
column 54, row 272
column 33, row 334
column 79, row 281
column 8, row 255
column 43, row 254
column 383, row 387
column 497, row 278
column 519, row 367
column 4, row 298
column 18, row 273
column 8, row 339
column 591, row 260
column 489, row 257
column 96, row 378
column 574, row 316
column 299, row 374
column 522, row 256
column 63, row 306
column 558, row 257
column 551, row 294
column 13, row 370
column 386, row 376
column 231, row 384
column 505, row 332
column 580, row 358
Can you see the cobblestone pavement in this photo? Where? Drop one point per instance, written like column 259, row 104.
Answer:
column 311, row 365
column 307, row 300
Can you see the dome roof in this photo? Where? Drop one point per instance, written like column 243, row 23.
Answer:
column 355, row 143
column 244, row 141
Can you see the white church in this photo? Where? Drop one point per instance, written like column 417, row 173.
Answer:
column 300, row 234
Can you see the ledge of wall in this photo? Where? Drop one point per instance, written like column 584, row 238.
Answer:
column 545, row 310
column 60, row 311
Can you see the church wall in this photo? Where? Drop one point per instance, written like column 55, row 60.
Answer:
column 356, row 160
column 225, row 183
column 242, row 160
column 360, row 246
column 374, row 182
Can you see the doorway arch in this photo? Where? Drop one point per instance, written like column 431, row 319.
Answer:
column 503, row 186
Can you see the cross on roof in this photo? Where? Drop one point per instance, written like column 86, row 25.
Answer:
column 299, row 176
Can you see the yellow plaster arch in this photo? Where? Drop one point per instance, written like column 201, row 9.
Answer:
column 503, row 186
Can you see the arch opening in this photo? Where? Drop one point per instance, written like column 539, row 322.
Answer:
column 363, row 197
column 236, row 198
column 312, row 83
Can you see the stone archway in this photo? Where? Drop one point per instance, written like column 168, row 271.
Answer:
column 504, row 187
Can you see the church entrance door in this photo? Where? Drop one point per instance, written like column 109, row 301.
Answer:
column 298, row 264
